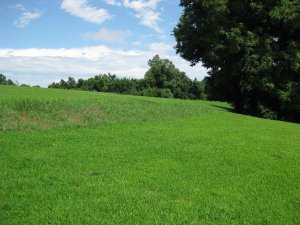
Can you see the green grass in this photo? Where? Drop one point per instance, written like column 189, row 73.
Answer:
column 71, row 157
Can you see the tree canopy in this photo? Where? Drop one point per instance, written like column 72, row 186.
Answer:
column 252, row 51
column 5, row 81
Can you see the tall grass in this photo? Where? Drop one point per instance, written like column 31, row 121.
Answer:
column 38, row 113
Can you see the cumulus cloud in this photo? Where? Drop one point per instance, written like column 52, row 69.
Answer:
column 81, row 9
column 43, row 66
column 145, row 11
column 26, row 18
column 114, row 36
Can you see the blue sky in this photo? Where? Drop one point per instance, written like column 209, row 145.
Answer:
column 45, row 40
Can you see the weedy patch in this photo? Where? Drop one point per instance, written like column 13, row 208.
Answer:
column 41, row 111
column 41, row 114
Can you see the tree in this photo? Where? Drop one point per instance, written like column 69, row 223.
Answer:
column 161, row 71
column 197, row 90
column 80, row 83
column 4, row 81
column 252, row 51
column 163, row 74
column 71, row 83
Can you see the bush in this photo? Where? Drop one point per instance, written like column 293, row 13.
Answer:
column 165, row 93
column 150, row 92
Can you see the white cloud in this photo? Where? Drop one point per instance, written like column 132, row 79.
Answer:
column 141, row 4
column 137, row 43
column 145, row 11
column 26, row 18
column 113, row 2
column 81, row 9
column 160, row 48
column 17, row 6
column 114, row 36
column 43, row 66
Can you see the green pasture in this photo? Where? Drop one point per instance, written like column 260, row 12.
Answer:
column 74, row 157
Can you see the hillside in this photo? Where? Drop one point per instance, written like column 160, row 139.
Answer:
column 74, row 157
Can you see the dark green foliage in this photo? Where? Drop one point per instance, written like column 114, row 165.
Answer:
column 165, row 93
column 252, row 49
column 150, row 92
column 163, row 79
column 71, row 83
column 4, row 81
column 24, row 85
column 164, row 75
column 197, row 90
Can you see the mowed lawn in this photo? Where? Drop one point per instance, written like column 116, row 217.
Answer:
column 73, row 157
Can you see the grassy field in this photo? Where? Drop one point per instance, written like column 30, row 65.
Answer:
column 72, row 157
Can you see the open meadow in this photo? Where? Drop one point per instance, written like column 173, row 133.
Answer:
column 75, row 157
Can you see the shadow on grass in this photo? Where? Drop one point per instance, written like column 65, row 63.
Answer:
column 224, row 108
column 231, row 110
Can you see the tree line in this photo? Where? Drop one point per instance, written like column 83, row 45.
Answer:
column 162, row 79
column 5, row 81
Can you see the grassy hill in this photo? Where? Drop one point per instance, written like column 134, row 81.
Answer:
column 72, row 157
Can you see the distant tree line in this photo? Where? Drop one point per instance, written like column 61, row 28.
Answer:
column 163, row 79
column 5, row 81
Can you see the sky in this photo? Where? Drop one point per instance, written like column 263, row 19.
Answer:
column 43, row 41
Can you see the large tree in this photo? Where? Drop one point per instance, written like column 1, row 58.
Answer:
column 163, row 74
column 252, row 50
